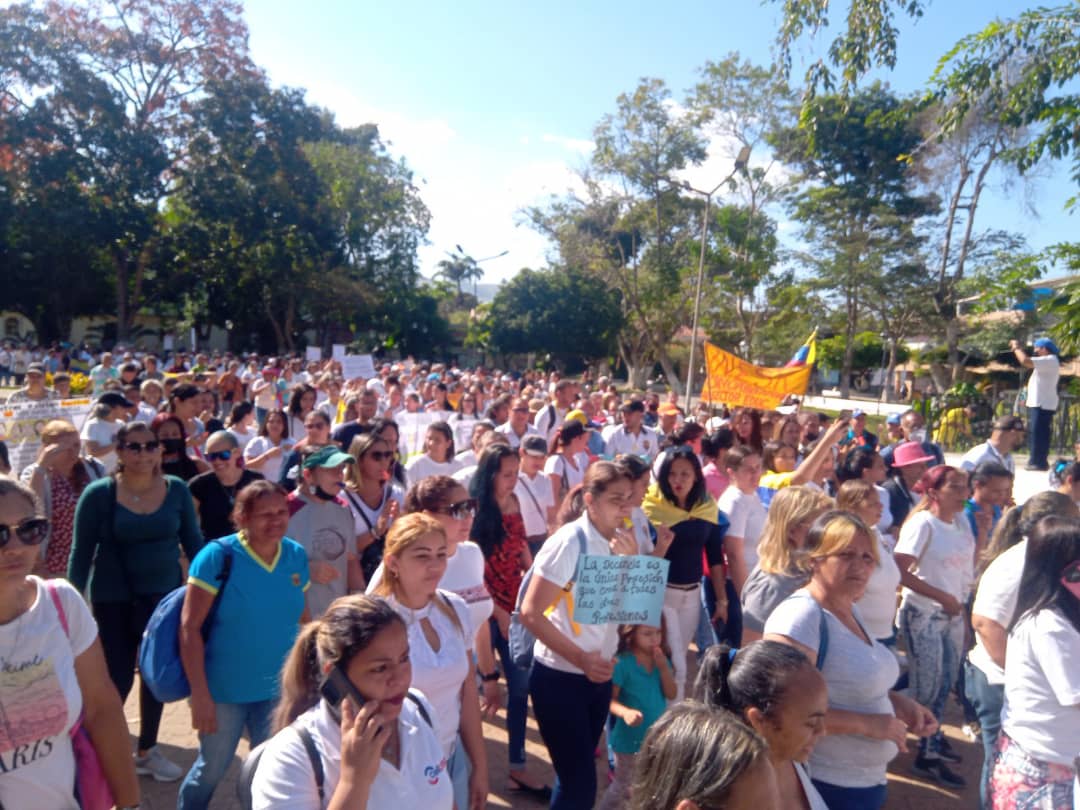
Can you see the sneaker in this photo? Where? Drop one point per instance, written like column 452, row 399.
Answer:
column 155, row 764
column 938, row 771
column 946, row 752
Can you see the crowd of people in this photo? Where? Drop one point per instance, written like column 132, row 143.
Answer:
column 351, row 603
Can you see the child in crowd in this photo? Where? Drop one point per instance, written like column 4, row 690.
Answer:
column 643, row 683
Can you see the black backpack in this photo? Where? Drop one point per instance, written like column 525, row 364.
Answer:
column 251, row 762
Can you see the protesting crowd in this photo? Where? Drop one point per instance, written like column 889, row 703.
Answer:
column 356, row 573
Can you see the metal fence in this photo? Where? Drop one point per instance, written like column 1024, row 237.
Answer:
column 1064, row 434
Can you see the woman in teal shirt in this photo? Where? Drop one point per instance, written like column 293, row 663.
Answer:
column 125, row 555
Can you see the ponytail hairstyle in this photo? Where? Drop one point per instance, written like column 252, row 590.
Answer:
column 1018, row 522
column 693, row 753
column 931, row 482
column 349, row 625
column 572, row 506
column 430, row 493
column 757, row 676
column 1063, row 471
column 569, row 431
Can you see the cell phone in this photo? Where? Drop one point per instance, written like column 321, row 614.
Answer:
column 337, row 687
column 844, row 415
column 1071, row 578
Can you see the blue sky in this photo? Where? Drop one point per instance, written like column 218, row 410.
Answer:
column 493, row 104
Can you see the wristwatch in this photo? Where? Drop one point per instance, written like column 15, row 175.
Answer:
column 491, row 676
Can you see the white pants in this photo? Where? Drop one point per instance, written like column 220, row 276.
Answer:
column 681, row 612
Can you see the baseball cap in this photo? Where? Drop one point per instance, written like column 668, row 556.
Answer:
column 892, row 419
column 534, row 446
column 115, row 400
column 669, row 409
column 855, row 414
column 579, row 416
column 329, row 456
column 1048, row 344
column 35, row 368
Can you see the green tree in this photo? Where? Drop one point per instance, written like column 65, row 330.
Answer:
column 562, row 312
column 856, row 204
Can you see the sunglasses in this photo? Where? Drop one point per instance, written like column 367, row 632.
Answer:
column 459, row 510
column 221, row 455
column 31, row 532
column 136, row 447
column 381, row 455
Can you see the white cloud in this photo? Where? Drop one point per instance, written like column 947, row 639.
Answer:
column 579, row 145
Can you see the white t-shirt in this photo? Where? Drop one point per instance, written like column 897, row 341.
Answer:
column 549, row 419
column 944, row 553
column 465, row 475
column 557, row 562
column 813, row 798
column 243, row 437
column 645, row 444
column 285, row 780
column 886, row 521
column 535, row 499
column 363, row 515
column 1042, row 687
column 41, row 699
column 1042, row 387
column 515, row 440
column 271, row 468
column 101, row 431
column 747, row 516
column 570, row 475
column 440, row 674
column 995, row 598
column 878, row 604
column 642, row 533
column 984, row 452
column 465, row 577
column 859, row 677
column 424, row 465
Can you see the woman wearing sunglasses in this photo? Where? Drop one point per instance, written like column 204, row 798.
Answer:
column 215, row 491
column 125, row 555
column 373, row 496
column 61, row 675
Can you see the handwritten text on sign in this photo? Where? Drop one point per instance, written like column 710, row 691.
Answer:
column 624, row 590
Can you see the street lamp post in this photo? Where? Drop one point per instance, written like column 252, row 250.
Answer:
column 740, row 166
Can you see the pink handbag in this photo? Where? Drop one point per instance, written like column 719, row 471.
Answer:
column 91, row 788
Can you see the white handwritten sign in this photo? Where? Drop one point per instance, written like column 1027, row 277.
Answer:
column 337, row 352
column 618, row 589
column 357, row 367
column 313, row 353
column 412, row 428
column 21, row 425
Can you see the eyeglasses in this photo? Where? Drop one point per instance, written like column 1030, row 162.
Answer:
column 31, row 532
column 381, row 455
column 135, row 447
column 459, row 510
column 315, row 426
column 221, row 455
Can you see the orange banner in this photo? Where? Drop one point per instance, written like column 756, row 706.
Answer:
column 735, row 382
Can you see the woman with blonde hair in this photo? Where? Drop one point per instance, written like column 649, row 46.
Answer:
column 383, row 753
column 781, row 568
column 867, row 722
column 878, row 605
column 373, row 496
column 441, row 641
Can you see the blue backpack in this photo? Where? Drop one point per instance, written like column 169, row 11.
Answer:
column 160, row 666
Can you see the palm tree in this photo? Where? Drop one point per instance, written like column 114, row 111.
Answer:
column 457, row 269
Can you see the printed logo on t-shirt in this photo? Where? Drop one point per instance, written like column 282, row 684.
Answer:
column 296, row 580
column 34, row 709
column 477, row 593
column 431, row 772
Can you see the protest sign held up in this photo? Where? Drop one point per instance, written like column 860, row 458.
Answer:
column 624, row 590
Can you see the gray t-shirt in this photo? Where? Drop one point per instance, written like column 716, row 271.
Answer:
column 859, row 677
column 327, row 532
column 763, row 592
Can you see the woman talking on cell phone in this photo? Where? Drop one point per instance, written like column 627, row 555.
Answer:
column 376, row 748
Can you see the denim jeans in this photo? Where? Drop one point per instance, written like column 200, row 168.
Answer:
column 517, row 698
column 705, row 635
column 216, row 750
column 935, row 644
column 570, row 711
column 729, row 632
column 460, row 769
column 1039, row 422
column 849, row 798
column 986, row 698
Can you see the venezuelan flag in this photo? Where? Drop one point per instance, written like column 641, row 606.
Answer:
column 805, row 354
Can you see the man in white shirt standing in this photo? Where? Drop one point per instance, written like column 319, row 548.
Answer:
column 1006, row 435
column 633, row 437
column 1042, row 396
column 533, row 491
column 517, row 427
column 551, row 417
column 99, row 431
